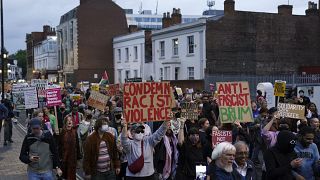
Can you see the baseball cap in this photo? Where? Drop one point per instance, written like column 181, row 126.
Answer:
column 136, row 126
column 35, row 123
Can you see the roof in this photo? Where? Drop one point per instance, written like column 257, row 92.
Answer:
column 69, row 15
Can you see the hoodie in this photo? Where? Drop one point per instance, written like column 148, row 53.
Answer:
column 278, row 158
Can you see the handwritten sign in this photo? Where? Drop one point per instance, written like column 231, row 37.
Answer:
column 24, row 96
column 95, row 87
column 53, row 97
column 234, row 102
column 149, row 101
column 293, row 111
column 98, row 100
column 114, row 90
column 75, row 97
column 189, row 110
column 279, row 88
column 221, row 136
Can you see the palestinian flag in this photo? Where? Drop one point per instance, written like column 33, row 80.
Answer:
column 104, row 80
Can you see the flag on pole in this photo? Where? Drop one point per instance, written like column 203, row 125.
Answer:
column 104, row 80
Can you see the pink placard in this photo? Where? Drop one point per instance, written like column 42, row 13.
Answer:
column 221, row 136
column 53, row 97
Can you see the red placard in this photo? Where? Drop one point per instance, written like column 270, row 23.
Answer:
column 114, row 90
column 221, row 136
column 53, row 97
column 148, row 101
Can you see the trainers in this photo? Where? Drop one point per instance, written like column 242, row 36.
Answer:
column 5, row 143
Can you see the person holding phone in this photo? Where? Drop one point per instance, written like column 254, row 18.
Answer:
column 40, row 152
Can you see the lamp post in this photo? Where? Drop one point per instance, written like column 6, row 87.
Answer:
column 2, row 49
column 58, row 72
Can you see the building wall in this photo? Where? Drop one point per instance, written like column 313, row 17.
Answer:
column 133, row 65
column 184, row 60
column 45, row 54
column 98, row 22
column 262, row 43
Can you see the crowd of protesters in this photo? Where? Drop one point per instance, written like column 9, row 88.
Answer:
column 105, row 146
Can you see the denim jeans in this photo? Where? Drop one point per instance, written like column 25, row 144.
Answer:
column 40, row 176
column 110, row 175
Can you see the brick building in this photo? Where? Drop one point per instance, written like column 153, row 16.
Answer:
column 94, row 24
column 32, row 39
column 257, row 43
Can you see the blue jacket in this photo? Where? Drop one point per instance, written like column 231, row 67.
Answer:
column 217, row 173
column 3, row 112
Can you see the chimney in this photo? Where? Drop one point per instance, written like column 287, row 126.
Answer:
column 285, row 10
column 46, row 29
column 166, row 20
column 83, row 1
column 229, row 7
column 312, row 9
column 176, row 16
column 133, row 28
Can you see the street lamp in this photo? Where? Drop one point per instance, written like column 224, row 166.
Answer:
column 58, row 72
column 3, row 56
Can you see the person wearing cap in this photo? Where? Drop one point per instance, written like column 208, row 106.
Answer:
column 139, row 150
column 40, row 153
column 116, row 118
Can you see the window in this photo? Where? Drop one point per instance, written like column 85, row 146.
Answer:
column 190, row 73
column 51, row 46
column 190, row 44
column 119, row 76
column 135, row 73
column 66, row 53
column 135, row 52
column 71, row 35
column 162, row 49
column 175, row 44
column 127, row 74
column 176, row 73
column 167, row 73
column 119, row 55
column 127, row 54
column 161, row 74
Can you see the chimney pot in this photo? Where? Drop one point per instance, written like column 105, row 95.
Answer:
column 229, row 7
column 285, row 9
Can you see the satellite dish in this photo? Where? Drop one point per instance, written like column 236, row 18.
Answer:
column 210, row 3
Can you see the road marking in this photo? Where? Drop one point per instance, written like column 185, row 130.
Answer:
column 24, row 129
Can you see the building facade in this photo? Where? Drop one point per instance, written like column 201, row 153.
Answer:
column 179, row 52
column 85, row 41
column 14, row 71
column 46, row 58
column 129, row 56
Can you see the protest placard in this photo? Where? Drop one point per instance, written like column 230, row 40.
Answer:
column 149, row 101
column 24, row 97
column 94, row 86
column 221, row 136
column 98, row 100
column 189, row 110
column 75, row 97
column 293, row 111
column 234, row 102
column 41, row 85
column 114, row 90
column 279, row 88
column 179, row 91
column 53, row 96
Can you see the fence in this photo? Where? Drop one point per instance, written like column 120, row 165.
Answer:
column 292, row 80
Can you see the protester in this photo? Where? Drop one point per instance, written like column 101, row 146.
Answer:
column 303, row 100
column 61, row 114
column 308, row 152
column 314, row 123
column 8, row 122
column 222, row 160
column 100, row 153
column 208, row 148
column 69, row 149
column 3, row 115
column 190, row 153
column 86, row 127
column 312, row 111
column 243, row 168
column 50, row 120
column 77, row 117
column 207, row 111
column 281, row 159
column 204, row 125
column 40, row 152
column 139, row 151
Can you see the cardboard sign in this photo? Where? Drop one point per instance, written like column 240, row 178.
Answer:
column 234, row 102
column 189, row 110
column 221, row 136
column 98, row 100
column 24, row 97
column 279, row 88
column 291, row 111
column 149, row 101
column 95, row 87
column 179, row 91
column 75, row 97
column 114, row 90
column 53, row 97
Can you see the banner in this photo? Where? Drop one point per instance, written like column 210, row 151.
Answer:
column 53, row 97
column 189, row 110
column 149, row 101
column 24, row 97
column 98, row 100
column 279, row 88
column 221, row 136
column 114, row 90
column 234, row 102
column 293, row 111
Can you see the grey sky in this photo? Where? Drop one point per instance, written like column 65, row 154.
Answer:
column 24, row 16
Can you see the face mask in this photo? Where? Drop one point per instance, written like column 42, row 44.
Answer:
column 301, row 94
column 139, row 136
column 194, row 139
column 62, row 109
column 104, row 128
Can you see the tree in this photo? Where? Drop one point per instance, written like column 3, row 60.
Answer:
column 21, row 56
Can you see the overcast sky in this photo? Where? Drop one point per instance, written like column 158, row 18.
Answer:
column 25, row 16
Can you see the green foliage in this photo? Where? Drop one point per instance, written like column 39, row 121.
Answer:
column 21, row 56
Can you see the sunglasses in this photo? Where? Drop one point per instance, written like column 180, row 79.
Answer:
column 139, row 131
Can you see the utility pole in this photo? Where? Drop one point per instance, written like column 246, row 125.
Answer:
column 2, row 51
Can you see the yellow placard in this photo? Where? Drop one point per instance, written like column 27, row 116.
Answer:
column 279, row 88
column 95, row 87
